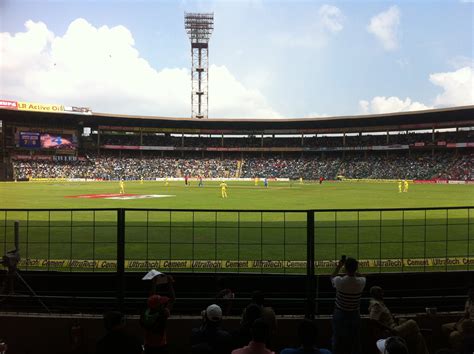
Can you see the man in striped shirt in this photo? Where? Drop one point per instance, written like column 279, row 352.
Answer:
column 346, row 317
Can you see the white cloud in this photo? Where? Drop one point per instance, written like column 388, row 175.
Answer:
column 100, row 67
column 384, row 26
column 328, row 21
column 458, row 87
column 458, row 90
column 381, row 104
column 331, row 18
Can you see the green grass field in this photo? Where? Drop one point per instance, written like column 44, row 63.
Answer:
column 261, row 241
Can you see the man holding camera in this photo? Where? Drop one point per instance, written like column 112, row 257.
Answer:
column 346, row 317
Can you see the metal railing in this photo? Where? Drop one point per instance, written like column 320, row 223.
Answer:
column 305, row 242
column 262, row 241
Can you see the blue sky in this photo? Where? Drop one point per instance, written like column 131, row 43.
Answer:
column 268, row 58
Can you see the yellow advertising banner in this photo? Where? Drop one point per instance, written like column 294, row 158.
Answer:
column 138, row 264
column 40, row 107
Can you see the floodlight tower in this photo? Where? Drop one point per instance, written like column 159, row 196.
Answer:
column 199, row 27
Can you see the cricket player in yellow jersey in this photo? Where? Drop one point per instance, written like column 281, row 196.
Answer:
column 122, row 186
column 223, row 186
column 166, row 182
column 405, row 186
column 256, row 181
column 141, row 180
column 399, row 186
column 301, row 180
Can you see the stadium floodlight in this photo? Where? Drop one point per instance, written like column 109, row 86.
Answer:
column 199, row 27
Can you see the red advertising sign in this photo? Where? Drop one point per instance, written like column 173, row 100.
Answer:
column 8, row 104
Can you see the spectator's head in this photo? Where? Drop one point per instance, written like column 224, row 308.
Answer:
column 307, row 333
column 258, row 297
column 114, row 320
column 269, row 316
column 259, row 331
column 251, row 313
column 392, row 345
column 351, row 265
column 376, row 292
column 213, row 313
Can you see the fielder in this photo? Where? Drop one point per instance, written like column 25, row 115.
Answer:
column 122, row 187
column 405, row 186
column 223, row 186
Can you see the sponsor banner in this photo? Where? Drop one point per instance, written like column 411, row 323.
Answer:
column 366, row 180
column 233, row 264
column 424, row 181
column 120, row 147
column 212, row 179
column 157, row 148
column 40, row 107
column 420, row 144
column 78, row 110
column 390, row 147
column 441, row 143
column 451, row 145
column 441, row 181
column 34, row 179
column 456, row 182
column 8, row 104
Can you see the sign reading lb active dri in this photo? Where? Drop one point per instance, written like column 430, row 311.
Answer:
column 40, row 107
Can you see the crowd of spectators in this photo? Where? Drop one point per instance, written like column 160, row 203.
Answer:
column 374, row 166
column 258, row 329
column 128, row 168
column 422, row 166
column 306, row 168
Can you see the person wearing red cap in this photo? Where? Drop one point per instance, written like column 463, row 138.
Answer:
column 154, row 319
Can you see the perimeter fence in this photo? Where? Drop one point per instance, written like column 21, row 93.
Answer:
column 236, row 241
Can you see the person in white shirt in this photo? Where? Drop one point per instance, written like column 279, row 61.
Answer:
column 346, row 317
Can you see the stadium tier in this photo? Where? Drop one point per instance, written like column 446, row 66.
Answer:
column 433, row 144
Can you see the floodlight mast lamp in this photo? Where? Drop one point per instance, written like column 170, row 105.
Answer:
column 199, row 28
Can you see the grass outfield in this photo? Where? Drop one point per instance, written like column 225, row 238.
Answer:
column 423, row 240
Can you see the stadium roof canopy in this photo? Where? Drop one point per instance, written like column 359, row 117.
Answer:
column 428, row 119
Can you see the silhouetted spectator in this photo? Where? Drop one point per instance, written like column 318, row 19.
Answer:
column 259, row 332
column 407, row 329
column 153, row 320
column 225, row 296
column 210, row 337
column 117, row 340
column 456, row 331
column 243, row 335
column 307, row 336
column 346, row 318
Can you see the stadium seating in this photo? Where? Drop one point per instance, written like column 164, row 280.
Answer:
column 376, row 166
